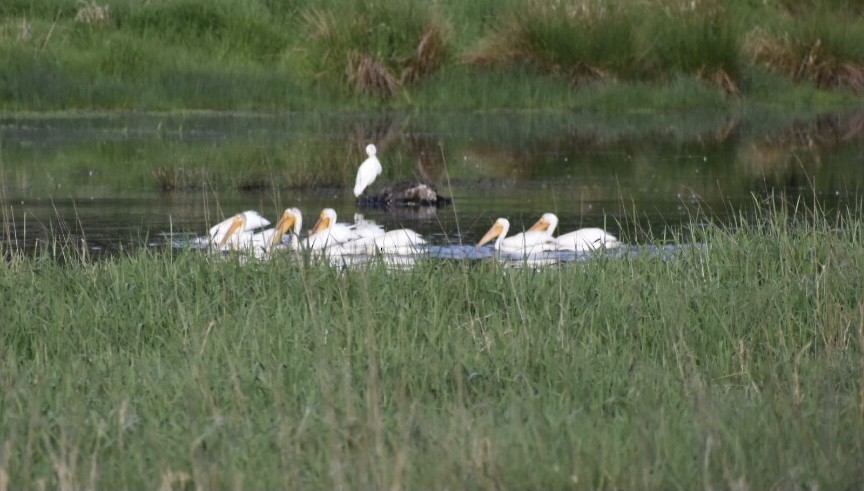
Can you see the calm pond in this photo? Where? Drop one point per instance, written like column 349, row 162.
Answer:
column 128, row 180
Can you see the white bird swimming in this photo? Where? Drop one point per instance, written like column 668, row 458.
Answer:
column 363, row 237
column 228, row 232
column 238, row 236
column 368, row 171
column 327, row 232
column 524, row 243
column 291, row 222
column 582, row 240
column 403, row 241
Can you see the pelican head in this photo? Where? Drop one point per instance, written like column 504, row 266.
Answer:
column 291, row 221
column 371, row 150
column 237, row 223
column 546, row 223
column 325, row 220
column 499, row 229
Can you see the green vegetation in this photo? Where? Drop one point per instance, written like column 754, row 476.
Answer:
column 488, row 54
column 737, row 363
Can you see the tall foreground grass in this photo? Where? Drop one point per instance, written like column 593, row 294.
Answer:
column 734, row 364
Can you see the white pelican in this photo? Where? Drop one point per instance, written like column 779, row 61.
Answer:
column 403, row 241
column 525, row 243
column 368, row 171
column 238, row 237
column 403, row 193
column 259, row 244
column 582, row 240
column 363, row 237
column 366, row 228
column 328, row 233
column 223, row 234
column 291, row 223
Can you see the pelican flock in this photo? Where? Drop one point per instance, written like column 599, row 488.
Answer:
column 246, row 232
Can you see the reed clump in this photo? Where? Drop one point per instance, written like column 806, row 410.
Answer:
column 93, row 13
column 813, row 50
column 597, row 41
column 376, row 49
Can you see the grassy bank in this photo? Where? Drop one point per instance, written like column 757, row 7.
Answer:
column 737, row 364
column 264, row 54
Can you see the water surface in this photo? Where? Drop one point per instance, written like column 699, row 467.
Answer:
column 126, row 180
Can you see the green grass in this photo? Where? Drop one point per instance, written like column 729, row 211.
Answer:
column 735, row 364
column 539, row 54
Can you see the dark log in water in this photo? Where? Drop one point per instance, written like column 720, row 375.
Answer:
column 405, row 193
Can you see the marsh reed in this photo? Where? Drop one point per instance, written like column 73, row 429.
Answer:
column 735, row 363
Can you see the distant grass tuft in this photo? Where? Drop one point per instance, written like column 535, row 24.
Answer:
column 696, row 39
column 93, row 13
column 430, row 54
column 376, row 50
column 369, row 76
column 826, row 50
column 591, row 41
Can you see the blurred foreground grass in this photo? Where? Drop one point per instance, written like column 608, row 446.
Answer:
column 736, row 363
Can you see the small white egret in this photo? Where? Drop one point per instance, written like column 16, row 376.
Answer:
column 368, row 171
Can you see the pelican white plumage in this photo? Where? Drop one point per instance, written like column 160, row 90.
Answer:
column 363, row 237
column 260, row 244
column 328, row 233
column 368, row 171
column 581, row 240
column 231, row 231
column 291, row 223
column 403, row 241
column 523, row 243
column 366, row 228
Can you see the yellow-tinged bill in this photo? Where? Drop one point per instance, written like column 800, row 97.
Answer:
column 283, row 226
column 323, row 223
column 493, row 232
column 236, row 224
column 541, row 226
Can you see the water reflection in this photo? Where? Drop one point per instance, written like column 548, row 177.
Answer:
column 123, row 180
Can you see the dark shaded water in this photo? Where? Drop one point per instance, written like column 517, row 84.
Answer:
column 125, row 180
